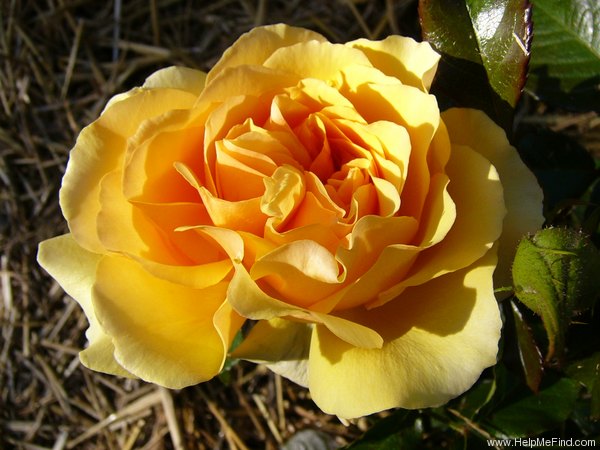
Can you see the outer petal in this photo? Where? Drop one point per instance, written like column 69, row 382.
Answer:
column 413, row 63
column 75, row 270
column 100, row 148
column 438, row 339
column 100, row 356
column 479, row 216
column 522, row 194
column 254, row 47
column 162, row 332
column 313, row 59
column 282, row 345
column 184, row 78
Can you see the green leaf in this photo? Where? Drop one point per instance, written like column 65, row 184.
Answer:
column 529, row 353
column 587, row 372
column 533, row 414
column 470, row 403
column 565, row 57
column 485, row 49
column 555, row 273
column 394, row 432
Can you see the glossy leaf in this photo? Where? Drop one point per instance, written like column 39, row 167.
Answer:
column 533, row 414
column 477, row 397
column 395, row 432
column 485, row 49
column 529, row 353
column 587, row 372
column 555, row 273
column 565, row 59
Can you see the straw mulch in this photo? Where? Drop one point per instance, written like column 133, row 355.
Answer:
column 60, row 61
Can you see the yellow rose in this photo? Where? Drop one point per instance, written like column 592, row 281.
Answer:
column 314, row 188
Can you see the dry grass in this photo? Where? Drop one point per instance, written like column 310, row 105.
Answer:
column 60, row 61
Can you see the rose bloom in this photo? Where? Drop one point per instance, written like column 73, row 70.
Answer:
column 312, row 190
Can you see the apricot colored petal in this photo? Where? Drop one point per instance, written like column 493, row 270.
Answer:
column 522, row 194
column 317, row 95
column 149, row 174
column 99, row 356
column 228, row 173
column 284, row 191
column 234, row 111
column 300, row 263
column 413, row 63
column 439, row 213
column 387, row 197
column 254, row 47
column 282, row 345
column 227, row 322
column 353, row 77
column 255, row 247
column 169, row 217
column 394, row 262
column 123, row 228
column 419, row 114
column 243, row 215
column 479, row 216
column 230, row 241
column 396, row 147
column 196, row 277
column 246, row 80
column 100, row 148
column 322, row 234
column 314, row 59
column 250, row 301
column 371, row 235
column 162, row 332
column 438, row 338
column 183, row 78
column 59, row 256
column 351, row 332
column 75, row 270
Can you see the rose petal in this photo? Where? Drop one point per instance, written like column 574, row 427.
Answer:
column 99, row 356
column 437, row 340
column 148, row 174
column 243, row 215
column 439, row 213
column 170, row 217
column 314, row 59
column 162, row 332
column 100, row 148
column 124, row 228
column 246, row 81
column 479, row 216
column 300, row 263
column 419, row 114
column 413, row 63
column 250, row 301
column 259, row 43
column 281, row 345
column 522, row 194
column 183, row 78
column 75, row 270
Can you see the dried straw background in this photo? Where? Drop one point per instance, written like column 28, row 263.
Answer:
column 60, row 61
